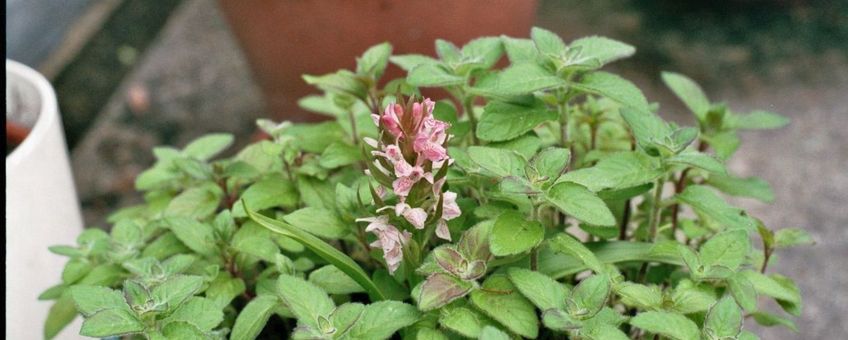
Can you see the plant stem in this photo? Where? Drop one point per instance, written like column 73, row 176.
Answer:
column 625, row 221
column 654, row 220
column 675, row 209
column 534, row 259
column 468, row 110
column 355, row 136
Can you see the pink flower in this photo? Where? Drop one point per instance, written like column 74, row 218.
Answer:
column 389, row 238
column 391, row 119
column 430, row 139
column 442, row 230
column 450, row 209
column 415, row 216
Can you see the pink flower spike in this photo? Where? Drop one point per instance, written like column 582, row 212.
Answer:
column 450, row 209
column 391, row 120
column 442, row 230
column 389, row 238
column 402, row 186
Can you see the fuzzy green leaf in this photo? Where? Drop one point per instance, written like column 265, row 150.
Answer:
column 440, row 289
column 689, row 92
column 671, row 325
column 334, row 281
column 728, row 249
column 724, row 320
column 208, row 146
column 504, row 121
column 498, row 162
column 617, row 171
column 614, row 87
column 752, row 187
column 306, row 301
column 252, row 319
column 502, row 302
column 380, row 320
column 318, row 221
column 540, row 289
column 706, row 202
column 513, row 234
column 577, row 201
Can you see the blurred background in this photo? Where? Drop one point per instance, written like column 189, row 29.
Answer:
column 134, row 74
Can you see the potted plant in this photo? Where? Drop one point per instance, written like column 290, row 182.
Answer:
column 563, row 206
column 282, row 40
column 41, row 203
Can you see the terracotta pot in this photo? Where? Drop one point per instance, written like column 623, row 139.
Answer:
column 284, row 39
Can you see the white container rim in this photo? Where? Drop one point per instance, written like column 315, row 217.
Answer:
column 47, row 111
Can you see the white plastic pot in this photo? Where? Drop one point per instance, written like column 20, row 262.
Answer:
column 41, row 205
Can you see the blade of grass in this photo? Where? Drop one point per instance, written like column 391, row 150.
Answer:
column 322, row 249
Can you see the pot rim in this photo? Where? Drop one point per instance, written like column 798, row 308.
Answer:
column 47, row 113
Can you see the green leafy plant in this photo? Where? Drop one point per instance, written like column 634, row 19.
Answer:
column 546, row 199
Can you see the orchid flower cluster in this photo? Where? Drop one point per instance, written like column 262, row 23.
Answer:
column 411, row 159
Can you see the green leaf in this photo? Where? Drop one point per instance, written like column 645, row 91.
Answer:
column 547, row 42
column 208, row 146
column 551, row 162
column 759, row 120
column 484, row 51
column 689, row 92
column 513, row 234
column 255, row 240
column 724, row 143
column 334, row 281
column 433, row 75
column 516, row 80
column 560, row 320
column 600, row 50
column 92, row 299
column 768, row 319
column 224, row 289
column 617, row 171
column 306, row 301
column 566, row 244
column 463, row 320
column 604, row 332
column 557, row 262
column 540, row 289
column 270, row 192
column 322, row 249
column 671, row 325
column 198, row 236
column 615, row 88
column 339, row 154
column 316, row 137
column 175, row 290
column 408, row 62
column 706, row 202
column 498, row 162
column 492, row 333
column 647, row 127
column 520, row 50
column 345, row 316
column 724, row 320
column 447, row 51
column 504, row 121
column 440, row 289
column 752, row 187
column 577, row 201
column 380, row 320
column 61, row 313
column 430, row 334
column 499, row 300
column 792, row 237
column 698, row 160
column 727, row 248
column 196, row 202
column 743, row 291
column 689, row 298
column 770, row 286
column 111, row 322
column 589, row 296
column 343, row 81
column 318, row 221
column 200, row 312
column 374, row 61
column 639, row 295
column 252, row 319
column 181, row 330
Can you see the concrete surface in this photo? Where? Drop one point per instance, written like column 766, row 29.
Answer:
column 195, row 80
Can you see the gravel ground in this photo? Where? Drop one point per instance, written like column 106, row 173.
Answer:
column 194, row 80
